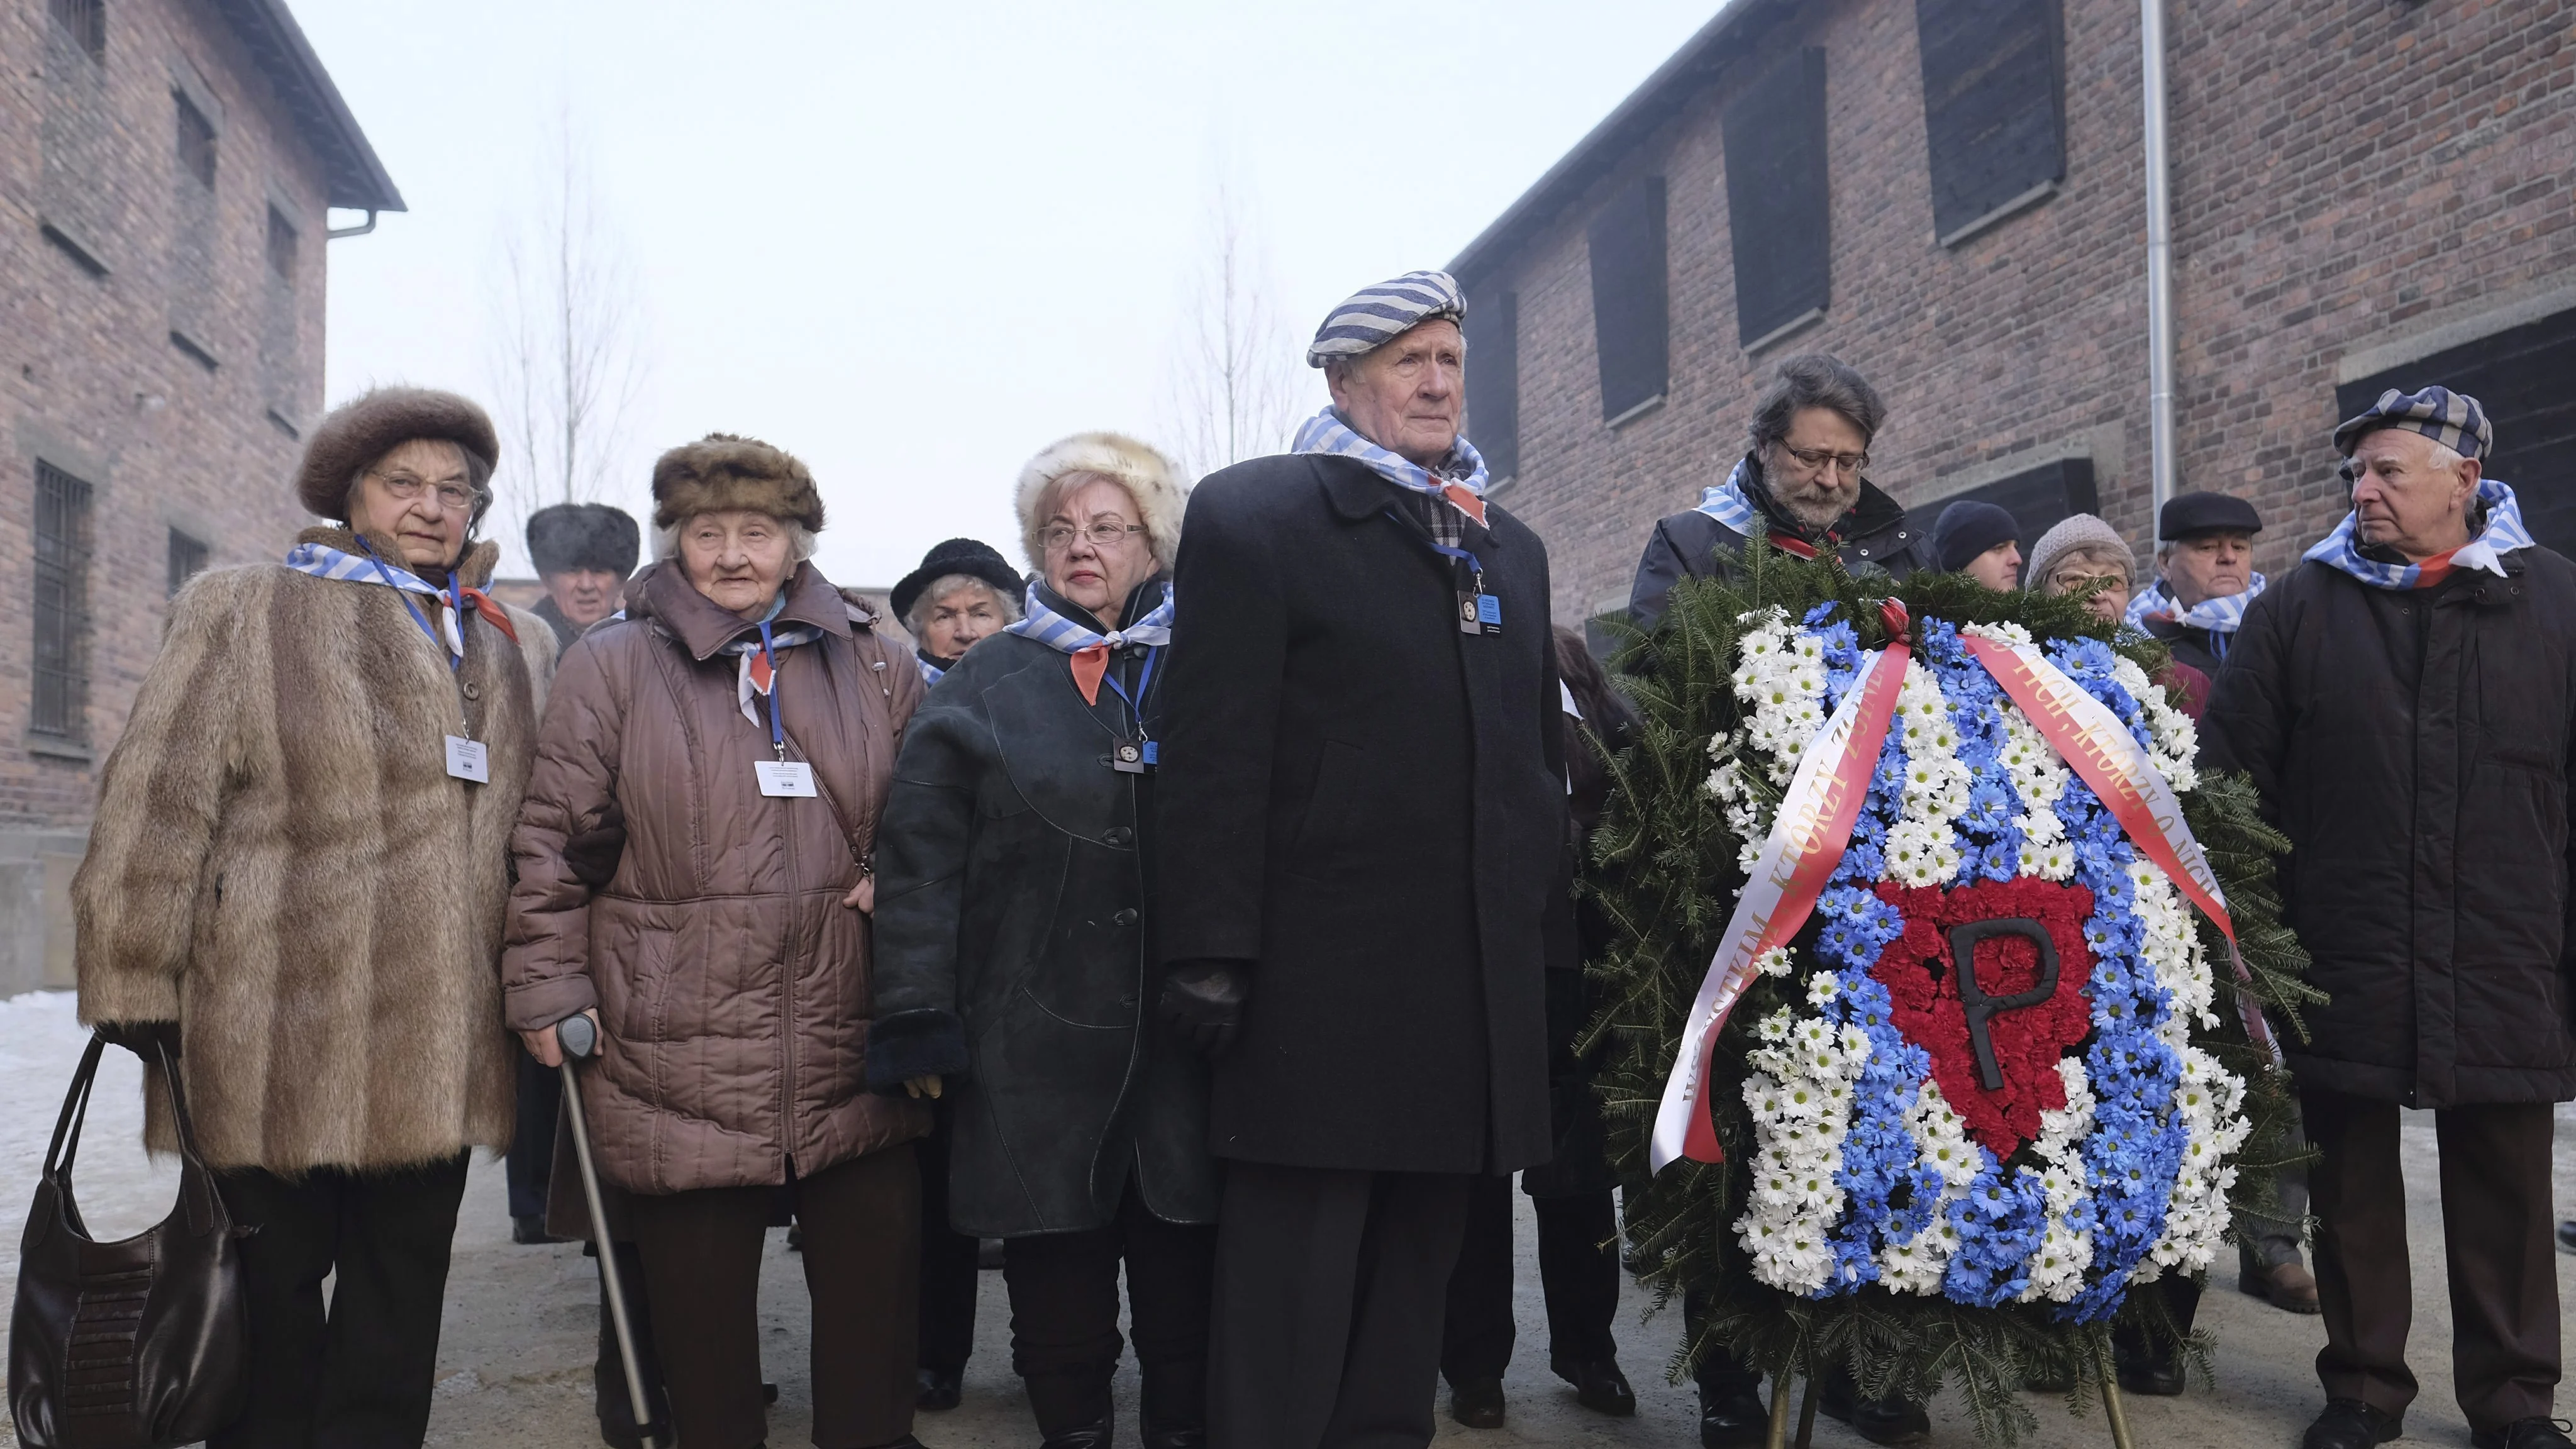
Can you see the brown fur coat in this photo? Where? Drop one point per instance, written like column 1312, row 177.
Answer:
column 282, row 865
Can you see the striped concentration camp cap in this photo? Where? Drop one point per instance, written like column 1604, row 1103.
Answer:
column 1374, row 316
column 2452, row 419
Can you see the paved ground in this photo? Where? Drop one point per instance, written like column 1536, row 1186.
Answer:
column 515, row 1359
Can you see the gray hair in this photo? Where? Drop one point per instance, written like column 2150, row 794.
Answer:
column 947, row 584
column 1814, row 380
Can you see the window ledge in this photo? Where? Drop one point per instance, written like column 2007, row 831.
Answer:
column 73, row 246
column 1636, row 412
column 283, row 425
column 46, row 747
column 194, row 350
column 2000, row 214
column 1790, row 328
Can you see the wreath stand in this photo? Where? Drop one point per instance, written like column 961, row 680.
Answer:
column 1778, row 1438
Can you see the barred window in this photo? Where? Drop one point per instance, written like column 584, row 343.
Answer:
column 85, row 21
column 196, row 140
column 188, row 557
column 61, row 704
column 281, row 246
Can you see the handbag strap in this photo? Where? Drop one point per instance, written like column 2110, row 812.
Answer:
column 197, row 1196
column 67, row 1127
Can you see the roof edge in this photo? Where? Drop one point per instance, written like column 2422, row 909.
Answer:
column 1646, row 107
column 354, row 178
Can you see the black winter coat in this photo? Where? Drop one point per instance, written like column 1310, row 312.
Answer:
column 1689, row 545
column 1367, row 804
column 2416, row 748
column 2202, row 649
column 1014, row 929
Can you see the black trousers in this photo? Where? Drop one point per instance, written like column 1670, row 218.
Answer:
column 702, row 1271
column 1064, row 1317
column 357, row 1376
column 1330, row 1289
column 1720, row 1373
column 608, row 1372
column 532, row 1144
column 2497, row 1240
column 1576, row 1271
column 948, row 1260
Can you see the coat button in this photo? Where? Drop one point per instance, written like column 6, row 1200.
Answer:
column 472, row 690
column 1125, row 917
column 1118, row 835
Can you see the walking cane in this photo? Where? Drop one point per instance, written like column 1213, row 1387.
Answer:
column 579, row 1039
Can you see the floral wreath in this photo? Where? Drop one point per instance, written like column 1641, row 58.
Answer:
column 1989, row 1086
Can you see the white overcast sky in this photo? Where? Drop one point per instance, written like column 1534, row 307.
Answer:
column 913, row 244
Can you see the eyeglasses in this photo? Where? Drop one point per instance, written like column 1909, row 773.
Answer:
column 1816, row 462
column 1103, row 535
column 454, row 497
column 2067, row 583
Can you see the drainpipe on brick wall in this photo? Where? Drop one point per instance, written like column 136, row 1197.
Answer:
column 2160, row 325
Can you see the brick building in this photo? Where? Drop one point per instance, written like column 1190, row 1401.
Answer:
column 1950, row 195
column 166, row 167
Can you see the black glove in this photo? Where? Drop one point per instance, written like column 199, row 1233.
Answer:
column 1203, row 1002
column 143, row 1038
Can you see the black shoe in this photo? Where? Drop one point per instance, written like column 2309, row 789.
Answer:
column 1598, row 1386
column 528, row 1232
column 769, row 1393
column 2156, row 1379
column 1082, row 1436
column 2352, row 1424
column 1733, row 1419
column 2567, row 1237
column 906, row 1442
column 1173, row 1436
column 2525, row 1433
column 1891, row 1420
column 1477, row 1403
column 796, row 1237
column 940, row 1388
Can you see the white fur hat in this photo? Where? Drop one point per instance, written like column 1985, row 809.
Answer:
column 1145, row 473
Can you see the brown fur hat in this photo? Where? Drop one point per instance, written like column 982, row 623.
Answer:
column 723, row 471
column 365, row 428
column 1146, row 474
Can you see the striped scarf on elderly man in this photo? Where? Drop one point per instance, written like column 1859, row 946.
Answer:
column 2501, row 533
column 1461, row 480
column 1089, row 647
column 325, row 562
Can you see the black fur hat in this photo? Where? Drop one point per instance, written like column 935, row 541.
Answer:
column 957, row 556
column 571, row 536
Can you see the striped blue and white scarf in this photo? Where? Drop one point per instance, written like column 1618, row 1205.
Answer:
column 1325, row 432
column 930, row 673
column 2221, row 615
column 757, row 674
column 323, row 561
column 1089, row 647
column 1729, row 504
column 2503, row 534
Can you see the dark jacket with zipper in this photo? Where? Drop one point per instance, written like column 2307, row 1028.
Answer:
column 1367, row 805
column 2416, row 748
column 1015, row 927
column 702, row 918
column 1693, row 545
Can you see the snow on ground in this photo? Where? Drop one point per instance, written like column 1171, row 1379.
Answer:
column 120, row 1190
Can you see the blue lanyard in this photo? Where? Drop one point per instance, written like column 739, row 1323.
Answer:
column 454, row 662
column 1144, row 682
column 1475, row 565
column 777, row 736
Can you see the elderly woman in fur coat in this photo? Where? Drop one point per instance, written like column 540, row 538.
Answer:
column 694, row 861
column 299, row 870
column 1015, row 938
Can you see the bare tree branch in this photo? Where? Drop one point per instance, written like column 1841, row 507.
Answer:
column 1233, row 389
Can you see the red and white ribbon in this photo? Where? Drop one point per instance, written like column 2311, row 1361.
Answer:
column 2100, row 749
column 1807, row 841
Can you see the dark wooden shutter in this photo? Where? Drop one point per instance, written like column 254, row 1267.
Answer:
column 2038, row 498
column 1630, row 327
column 2525, row 379
column 1994, row 106
column 1777, row 201
column 1494, row 381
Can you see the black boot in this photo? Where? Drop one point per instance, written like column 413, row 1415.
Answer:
column 1173, row 1405
column 1732, row 1415
column 2351, row 1424
column 1891, row 1420
column 1094, row 1435
column 940, row 1388
column 1477, row 1403
column 1598, row 1386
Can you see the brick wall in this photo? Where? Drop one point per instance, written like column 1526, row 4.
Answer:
column 90, row 380
column 2347, row 174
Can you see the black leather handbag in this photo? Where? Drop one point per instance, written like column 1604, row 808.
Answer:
column 134, row 1345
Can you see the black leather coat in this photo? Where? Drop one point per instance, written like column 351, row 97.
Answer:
column 1014, row 927
column 2416, row 748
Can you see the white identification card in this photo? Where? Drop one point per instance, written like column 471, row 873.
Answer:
column 785, row 777
column 467, row 760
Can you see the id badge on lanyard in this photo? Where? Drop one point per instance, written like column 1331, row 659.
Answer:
column 467, row 757
column 1135, row 754
column 781, row 778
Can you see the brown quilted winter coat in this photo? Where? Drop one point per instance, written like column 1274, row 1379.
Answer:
column 703, row 919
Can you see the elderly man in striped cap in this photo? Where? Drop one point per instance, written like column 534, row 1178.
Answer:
column 2405, row 701
column 1359, row 809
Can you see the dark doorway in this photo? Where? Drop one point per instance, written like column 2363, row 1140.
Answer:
column 2038, row 498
